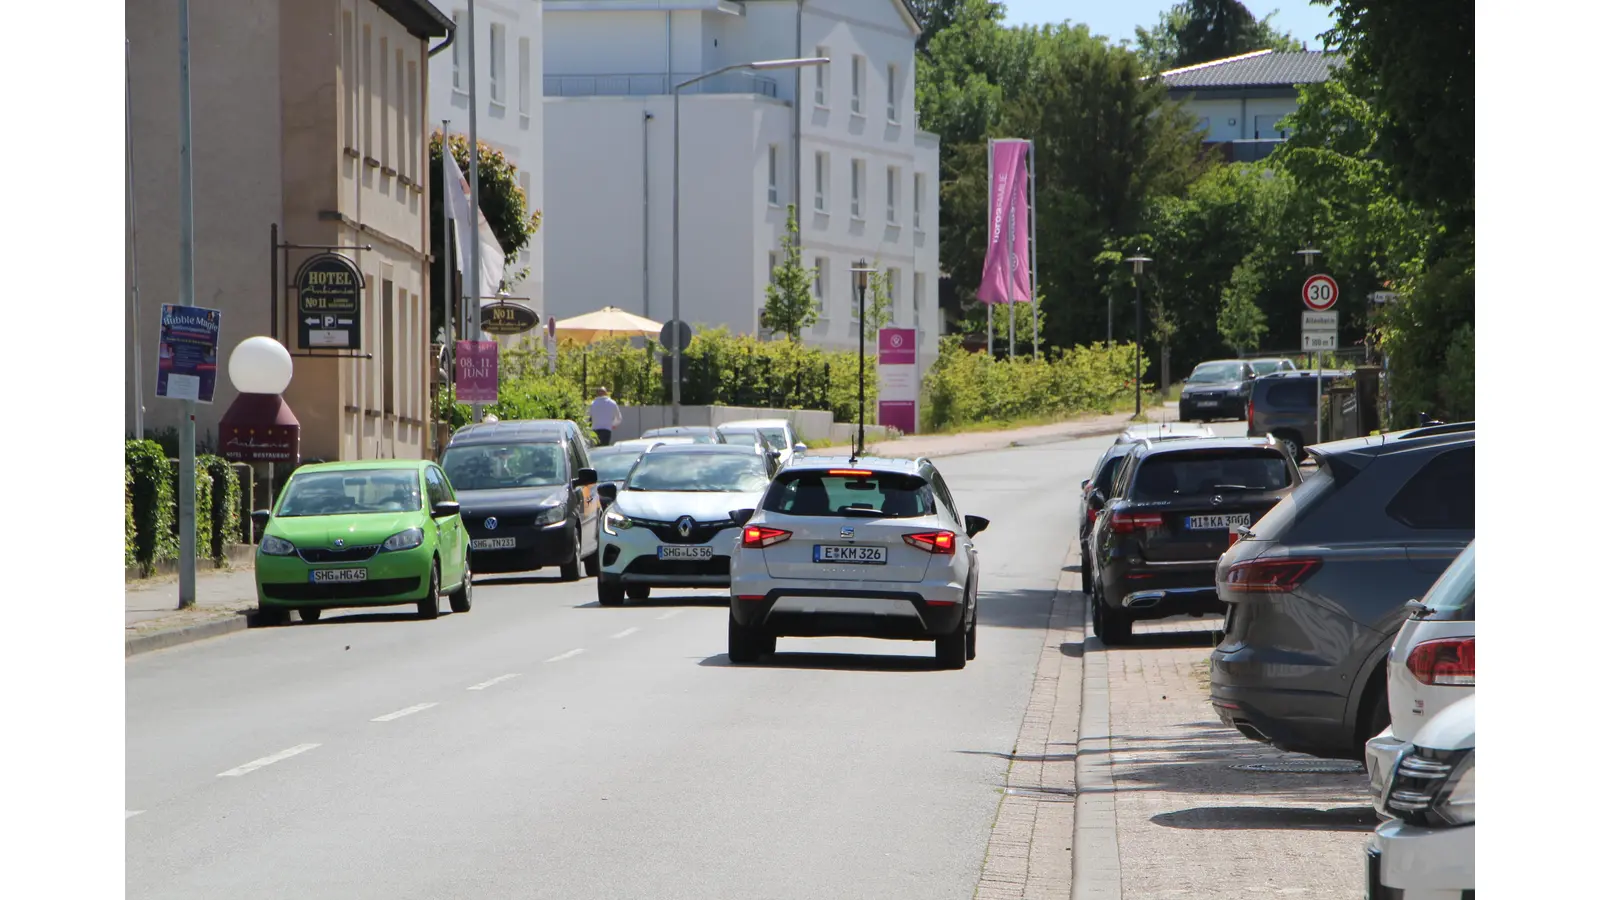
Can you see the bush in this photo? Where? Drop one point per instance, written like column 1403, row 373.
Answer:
column 739, row 370
column 530, row 395
column 965, row 388
column 203, row 530
column 224, row 508
column 130, row 551
column 151, row 495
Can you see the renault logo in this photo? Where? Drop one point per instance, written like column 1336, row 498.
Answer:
column 491, row 523
column 685, row 525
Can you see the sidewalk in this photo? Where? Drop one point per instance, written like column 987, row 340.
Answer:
column 940, row 445
column 222, row 597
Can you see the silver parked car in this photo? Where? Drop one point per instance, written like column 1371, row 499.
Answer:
column 778, row 432
column 856, row 548
column 668, row 524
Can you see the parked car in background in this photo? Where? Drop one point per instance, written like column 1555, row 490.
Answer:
column 612, row 462
column 778, row 432
column 1316, row 590
column 1154, row 548
column 1284, row 405
column 670, row 522
column 527, row 496
column 865, row 547
column 1218, row 389
column 1266, row 366
column 1164, row 431
column 752, row 438
column 1427, row 848
column 362, row 533
column 1096, row 488
column 699, row 434
column 1433, row 663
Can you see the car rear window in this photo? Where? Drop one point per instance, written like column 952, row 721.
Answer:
column 1292, row 392
column 850, row 492
column 1453, row 598
column 1170, row 475
column 1440, row 496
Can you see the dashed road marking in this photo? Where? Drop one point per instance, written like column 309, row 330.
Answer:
column 131, row 814
column 255, row 764
column 493, row 681
column 625, row 632
column 567, row 655
column 669, row 613
column 390, row 717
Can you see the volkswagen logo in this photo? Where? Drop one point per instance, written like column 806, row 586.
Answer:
column 848, row 532
column 1217, row 500
column 338, row 542
column 491, row 523
column 685, row 525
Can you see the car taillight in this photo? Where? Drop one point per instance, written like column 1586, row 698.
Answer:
column 940, row 542
column 1127, row 523
column 1093, row 514
column 1250, row 413
column 1449, row 661
column 757, row 536
column 1271, row 576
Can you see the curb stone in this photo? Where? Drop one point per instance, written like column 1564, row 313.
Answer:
column 187, row 634
column 1096, row 866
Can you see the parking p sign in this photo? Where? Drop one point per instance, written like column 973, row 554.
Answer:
column 1320, row 293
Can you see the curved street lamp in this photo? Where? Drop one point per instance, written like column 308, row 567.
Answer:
column 1138, row 260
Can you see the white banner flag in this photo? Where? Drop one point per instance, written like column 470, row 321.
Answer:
column 491, row 259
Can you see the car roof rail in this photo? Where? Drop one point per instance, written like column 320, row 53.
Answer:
column 1435, row 430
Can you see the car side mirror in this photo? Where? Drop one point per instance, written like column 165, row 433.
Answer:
column 800, row 448
column 446, row 508
column 607, row 492
column 587, row 477
column 976, row 525
column 260, row 517
column 1084, row 484
column 741, row 517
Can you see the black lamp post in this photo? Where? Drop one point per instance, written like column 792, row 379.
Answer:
column 863, row 273
column 1137, row 261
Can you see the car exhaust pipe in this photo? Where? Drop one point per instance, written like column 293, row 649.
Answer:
column 1143, row 599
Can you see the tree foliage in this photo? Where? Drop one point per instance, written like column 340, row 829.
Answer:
column 790, row 305
column 1199, row 31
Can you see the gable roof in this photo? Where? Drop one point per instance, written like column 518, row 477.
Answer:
column 1263, row 68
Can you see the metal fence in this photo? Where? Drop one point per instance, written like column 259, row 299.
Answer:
column 655, row 84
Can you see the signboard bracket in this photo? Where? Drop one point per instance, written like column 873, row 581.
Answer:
column 280, row 276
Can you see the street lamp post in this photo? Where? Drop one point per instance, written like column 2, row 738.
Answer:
column 863, row 273
column 759, row 65
column 1138, row 262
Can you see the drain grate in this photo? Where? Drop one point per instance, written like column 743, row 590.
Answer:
column 1306, row 767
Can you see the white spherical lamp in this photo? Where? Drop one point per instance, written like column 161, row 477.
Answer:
column 260, row 365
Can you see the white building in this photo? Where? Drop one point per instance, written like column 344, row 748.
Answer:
column 510, row 56
column 840, row 141
column 1240, row 102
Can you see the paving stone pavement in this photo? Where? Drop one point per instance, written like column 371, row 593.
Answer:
column 1191, row 826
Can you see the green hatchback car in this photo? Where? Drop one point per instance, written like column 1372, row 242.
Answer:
column 362, row 533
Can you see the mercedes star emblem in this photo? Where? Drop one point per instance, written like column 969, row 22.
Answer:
column 1217, row 500
column 685, row 525
column 491, row 523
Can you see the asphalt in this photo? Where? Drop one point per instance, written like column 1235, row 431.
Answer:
column 542, row 746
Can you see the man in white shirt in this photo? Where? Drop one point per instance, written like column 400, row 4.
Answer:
column 604, row 415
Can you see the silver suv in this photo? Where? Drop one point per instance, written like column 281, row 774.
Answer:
column 855, row 548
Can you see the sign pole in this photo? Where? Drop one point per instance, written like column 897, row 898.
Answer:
column 474, row 277
column 186, row 529
column 1033, row 253
column 988, row 306
column 133, row 253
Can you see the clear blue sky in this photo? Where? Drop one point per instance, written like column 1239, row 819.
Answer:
column 1116, row 18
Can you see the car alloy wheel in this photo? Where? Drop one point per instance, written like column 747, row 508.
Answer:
column 428, row 606
column 461, row 598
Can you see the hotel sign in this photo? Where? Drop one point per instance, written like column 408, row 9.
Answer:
column 329, row 311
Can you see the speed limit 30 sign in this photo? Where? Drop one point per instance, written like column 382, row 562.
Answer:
column 1320, row 293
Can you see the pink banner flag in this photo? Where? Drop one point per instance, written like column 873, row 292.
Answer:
column 478, row 372
column 1005, row 267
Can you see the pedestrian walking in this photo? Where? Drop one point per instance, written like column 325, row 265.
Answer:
column 604, row 416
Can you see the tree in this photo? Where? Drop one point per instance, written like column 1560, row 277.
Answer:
column 936, row 15
column 503, row 203
column 790, row 305
column 880, row 302
column 1241, row 321
column 1200, row 31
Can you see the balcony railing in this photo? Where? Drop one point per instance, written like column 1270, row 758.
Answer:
column 656, row 84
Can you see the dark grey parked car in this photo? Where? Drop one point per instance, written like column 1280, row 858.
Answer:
column 1218, row 389
column 1316, row 590
column 1284, row 405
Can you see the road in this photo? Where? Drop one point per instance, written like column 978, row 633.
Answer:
column 543, row 746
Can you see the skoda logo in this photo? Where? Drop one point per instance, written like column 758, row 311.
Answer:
column 491, row 523
column 1217, row 500
column 685, row 525
column 847, row 532
column 338, row 542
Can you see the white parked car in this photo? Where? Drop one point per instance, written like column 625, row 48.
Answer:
column 863, row 547
column 669, row 523
column 778, row 432
column 1425, row 851
column 1432, row 663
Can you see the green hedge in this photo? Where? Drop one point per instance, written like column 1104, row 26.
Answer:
column 130, row 552
column 153, row 510
column 203, row 530
column 224, row 509
column 966, row 388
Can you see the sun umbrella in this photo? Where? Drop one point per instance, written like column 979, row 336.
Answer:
column 609, row 322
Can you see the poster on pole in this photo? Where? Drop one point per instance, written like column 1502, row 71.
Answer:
column 899, row 387
column 1006, row 276
column 188, row 353
column 478, row 372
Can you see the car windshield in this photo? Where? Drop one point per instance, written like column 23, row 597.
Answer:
column 748, row 438
column 776, row 437
column 1453, row 598
column 1263, row 366
column 696, row 435
column 850, row 492
column 488, row 467
column 613, row 465
column 351, row 491
column 1170, row 475
column 701, row 472
column 1215, row 373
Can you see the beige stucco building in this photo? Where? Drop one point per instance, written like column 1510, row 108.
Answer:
column 311, row 115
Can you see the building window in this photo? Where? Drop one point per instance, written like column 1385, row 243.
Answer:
column 894, row 84
column 819, row 283
column 858, row 82
column 822, row 79
column 772, row 174
column 414, row 128
column 858, row 184
column 383, row 101
column 1203, row 124
column 366, row 91
column 772, row 267
column 524, row 77
column 497, row 64
column 918, row 286
column 893, row 215
column 918, row 184
column 458, row 74
column 526, row 184
column 893, row 287
column 391, row 351
column 821, row 186
column 351, row 94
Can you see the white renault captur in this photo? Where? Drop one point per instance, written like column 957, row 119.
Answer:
column 1432, row 664
column 865, row 547
column 669, row 523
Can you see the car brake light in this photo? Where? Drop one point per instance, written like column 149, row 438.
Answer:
column 1127, row 523
column 861, row 472
column 1250, row 413
column 757, row 536
column 942, row 543
column 1093, row 514
column 1271, row 576
column 1449, row 661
